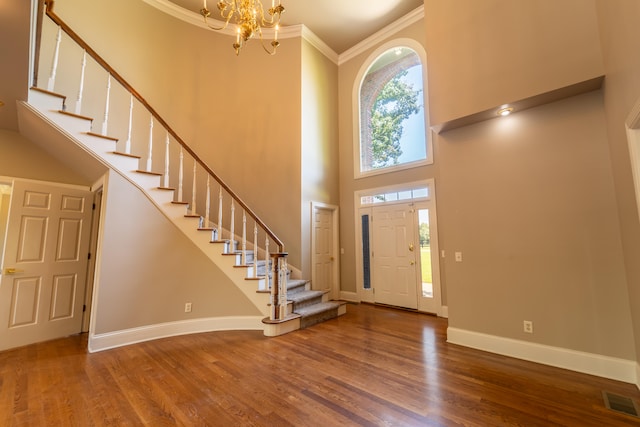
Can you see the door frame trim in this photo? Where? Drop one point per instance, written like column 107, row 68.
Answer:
column 335, row 270
column 367, row 295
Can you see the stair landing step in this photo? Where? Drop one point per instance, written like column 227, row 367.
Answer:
column 317, row 308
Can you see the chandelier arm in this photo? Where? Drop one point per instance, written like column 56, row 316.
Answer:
column 226, row 22
column 274, row 44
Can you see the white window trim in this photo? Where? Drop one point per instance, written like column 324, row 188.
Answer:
column 355, row 98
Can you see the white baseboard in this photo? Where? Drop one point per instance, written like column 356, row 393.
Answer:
column 349, row 296
column 588, row 363
column 99, row 342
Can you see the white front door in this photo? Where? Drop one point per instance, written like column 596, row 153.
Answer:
column 324, row 243
column 44, row 271
column 395, row 279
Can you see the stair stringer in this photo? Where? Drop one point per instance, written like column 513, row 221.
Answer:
column 75, row 130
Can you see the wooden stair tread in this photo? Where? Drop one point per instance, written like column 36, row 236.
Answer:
column 99, row 135
column 167, row 188
column 78, row 116
column 120, row 153
column 48, row 92
column 176, row 202
column 148, row 172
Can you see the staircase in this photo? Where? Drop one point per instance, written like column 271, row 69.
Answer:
column 304, row 308
column 288, row 303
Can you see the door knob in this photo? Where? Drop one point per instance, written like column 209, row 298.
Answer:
column 411, row 247
column 12, row 271
column 412, row 263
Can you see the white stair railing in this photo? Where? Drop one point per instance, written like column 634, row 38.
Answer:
column 170, row 159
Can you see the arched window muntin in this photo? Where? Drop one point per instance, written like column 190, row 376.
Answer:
column 362, row 107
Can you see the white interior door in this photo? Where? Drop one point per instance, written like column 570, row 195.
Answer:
column 324, row 262
column 395, row 279
column 44, row 271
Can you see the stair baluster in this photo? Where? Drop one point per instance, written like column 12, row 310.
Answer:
column 54, row 62
column 83, row 65
column 150, row 147
column 127, row 144
column 255, row 251
column 232, row 228
column 219, row 227
column 193, row 190
column 180, row 175
column 267, row 279
column 207, row 209
column 166, row 162
column 243, row 256
column 105, row 118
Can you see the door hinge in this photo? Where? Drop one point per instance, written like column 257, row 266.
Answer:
column 93, row 207
column 89, row 255
column 84, row 307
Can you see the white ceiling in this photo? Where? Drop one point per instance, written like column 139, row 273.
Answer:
column 341, row 24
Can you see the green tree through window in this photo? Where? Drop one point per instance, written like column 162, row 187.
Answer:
column 396, row 102
column 392, row 116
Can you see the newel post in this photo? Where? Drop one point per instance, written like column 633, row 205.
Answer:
column 278, row 298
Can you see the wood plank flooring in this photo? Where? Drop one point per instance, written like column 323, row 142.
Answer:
column 374, row 366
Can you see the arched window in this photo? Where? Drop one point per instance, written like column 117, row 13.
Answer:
column 391, row 110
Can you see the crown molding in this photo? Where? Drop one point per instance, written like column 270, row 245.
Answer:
column 412, row 17
column 317, row 42
column 292, row 31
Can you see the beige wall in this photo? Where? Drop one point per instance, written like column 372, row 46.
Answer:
column 148, row 269
column 530, row 202
column 242, row 115
column 618, row 20
column 486, row 53
column 20, row 158
column 320, row 163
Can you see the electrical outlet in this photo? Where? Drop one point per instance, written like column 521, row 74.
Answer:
column 187, row 307
column 528, row 326
column 458, row 256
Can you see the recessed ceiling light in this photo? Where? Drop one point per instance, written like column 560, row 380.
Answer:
column 505, row 111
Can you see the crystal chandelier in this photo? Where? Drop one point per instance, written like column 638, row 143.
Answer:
column 249, row 18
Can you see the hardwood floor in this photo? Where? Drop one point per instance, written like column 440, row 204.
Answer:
column 373, row 366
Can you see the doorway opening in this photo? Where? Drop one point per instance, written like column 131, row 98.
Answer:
column 45, row 228
column 397, row 247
